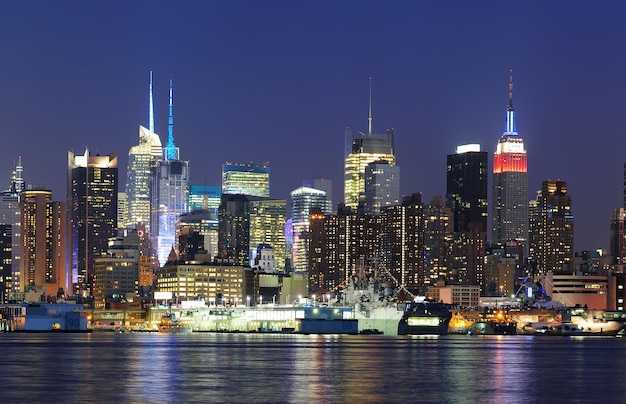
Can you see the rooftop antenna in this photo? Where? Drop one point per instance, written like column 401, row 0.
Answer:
column 171, row 149
column 369, row 118
column 510, row 117
column 151, row 106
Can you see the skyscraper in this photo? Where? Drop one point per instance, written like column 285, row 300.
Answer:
column 10, row 214
column 382, row 187
column 44, row 263
column 170, row 193
column 552, row 233
column 466, row 190
column 303, row 200
column 246, row 179
column 142, row 159
column 323, row 184
column 362, row 149
column 510, row 184
column 92, row 204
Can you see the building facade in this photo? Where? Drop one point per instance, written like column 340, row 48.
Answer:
column 142, row 160
column 382, row 187
column 92, row 203
column 509, row 205
column 303, row 200
column 246, row 179
column 552, row 233
column 44, row 263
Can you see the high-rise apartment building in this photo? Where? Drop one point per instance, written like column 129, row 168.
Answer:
column 552, row 232
column 92, row 188
column 44, row 263
column 246, row 179
column 170, row 193
column 382, row 187
column 340, row 245
column 362, row 149
column 10, row 214
column 438, row 233
column 509, row 205
column 402, row 243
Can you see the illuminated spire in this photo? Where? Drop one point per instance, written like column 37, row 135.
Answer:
column 151, row 106
column 19, row 181
column 171, row 151
column 369, row 118
column 510, row 113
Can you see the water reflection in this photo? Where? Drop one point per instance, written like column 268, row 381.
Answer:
column 159, row 368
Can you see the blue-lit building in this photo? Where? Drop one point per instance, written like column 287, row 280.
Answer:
column 170, row 194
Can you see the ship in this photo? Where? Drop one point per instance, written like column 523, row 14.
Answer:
column 579, row 321
column 494, row 322
column 423, row 317
column 171, row 324
column 373, row 296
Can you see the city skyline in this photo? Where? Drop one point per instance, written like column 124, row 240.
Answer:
column 281, row 82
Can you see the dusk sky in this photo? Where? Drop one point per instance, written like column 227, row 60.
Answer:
column 279, row 81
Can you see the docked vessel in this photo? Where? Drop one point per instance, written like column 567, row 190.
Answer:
column 495, row 322
column 170, row 324
column 425, row 318
column 579, row 321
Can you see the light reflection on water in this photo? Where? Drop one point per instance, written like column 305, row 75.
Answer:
column 264, row 368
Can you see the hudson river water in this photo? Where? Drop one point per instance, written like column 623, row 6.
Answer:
column 272, row 368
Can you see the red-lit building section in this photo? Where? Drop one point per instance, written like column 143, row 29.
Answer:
column 510, row 162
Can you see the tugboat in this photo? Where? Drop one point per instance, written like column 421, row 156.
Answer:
column 423, row 317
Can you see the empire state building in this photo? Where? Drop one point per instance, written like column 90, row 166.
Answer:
column 510, row 184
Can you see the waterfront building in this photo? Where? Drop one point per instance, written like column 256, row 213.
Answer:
column 10, row 214
column 6, row 260
column 92, row 202
column 617, row 237
column 217, row 282
column 117, row 270
column 552, row 232
column 44, row 260
column 170, row 193
column 362, row 149
column 509, row 206
column 578, row 289
column 382, row 186
column 246, row 179
column 303, row 200
column 457, row 295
